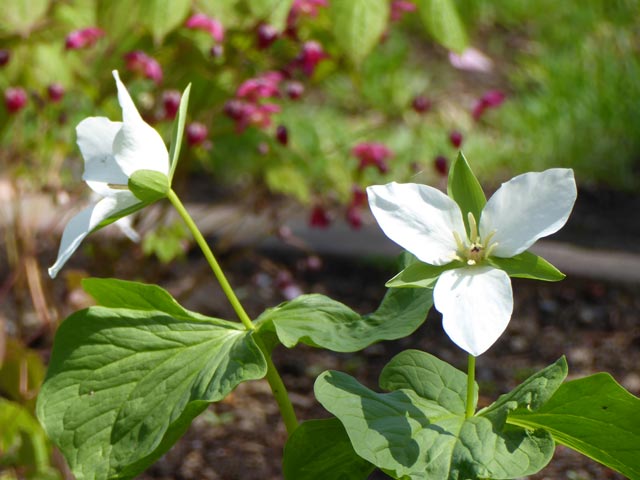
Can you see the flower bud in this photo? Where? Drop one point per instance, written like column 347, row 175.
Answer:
column 15, row 98
column 149, row 185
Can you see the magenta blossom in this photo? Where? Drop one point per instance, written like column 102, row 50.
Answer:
column 307, row 7
column 15, row 99
column 491, row 99
column 247, row 113
column 372, row 154
column 399, row 8
column 83, row 38
column 264, row 86
column 319, row 217
column 200, row 21
column 311, row 54
column 142, row 64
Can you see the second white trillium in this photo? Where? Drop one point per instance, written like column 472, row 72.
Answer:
column 112, row 152
column 474, row 297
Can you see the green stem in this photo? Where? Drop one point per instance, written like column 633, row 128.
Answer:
column 213, row 263
column 471, row 379
column 273, row 377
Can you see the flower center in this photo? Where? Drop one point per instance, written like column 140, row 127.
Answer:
column 474, row 250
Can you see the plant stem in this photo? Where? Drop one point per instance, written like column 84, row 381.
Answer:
column 471, row 379
column 273, row 377
column 213, row 263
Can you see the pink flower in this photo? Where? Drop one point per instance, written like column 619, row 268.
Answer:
column 308, row 7
column 399, row 8
column 171, row 103
column 142, row 64
column 472, row 60
column 82, row 38
column 311, row 54
column 372, row 154
column 196, row 133
column 200, row 21
column 15, row 99
column 55, row 91
column 246, row 113
column 265, row 86
column 491, row 99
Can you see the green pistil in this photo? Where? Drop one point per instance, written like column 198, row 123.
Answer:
column 474, row 250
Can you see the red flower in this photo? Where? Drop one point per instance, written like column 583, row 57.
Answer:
column 142, row 64
column 82, row 38
column 491, row 99
column 372, row 154
column 15, row 99
column 200, row 21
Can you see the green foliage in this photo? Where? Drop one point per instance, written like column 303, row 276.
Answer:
column 149, row 185
column 321, row 449
column 125, row 382
column 167, row 242
column 164, row 16
column 420, row 274
column 596, row 417
column 528, row 265
column 23, row 443
column 443, row 23
column 358, row 26
column 319, row 321
column 419, row 429
column 20, row 16
column 178, row 132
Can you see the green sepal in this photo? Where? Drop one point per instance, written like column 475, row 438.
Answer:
column 321, row 449
column 177, row 132
column 443, row 22
column 149, row 185
column 528, row 265
column 464, row 188
column 319, row 321
column 420, row 275
column 419, row 430
column 594, row 416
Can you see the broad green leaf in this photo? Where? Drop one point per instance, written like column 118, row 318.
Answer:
column 358, row 25
column 20, row 16
column 124, row 384
column 319, row 321
column 419, row 429
column 288, row 180
column 321, row 449
column 594, row 416
column 274, row 12
column 420, row 274
column 178, row 131
column 23, row 443
column 534, row 392
column 464, row 188
column 163, row 16
column 443, row 23
column 118, row 18
column 115, row 293
column 21, row 373
column 528, row 265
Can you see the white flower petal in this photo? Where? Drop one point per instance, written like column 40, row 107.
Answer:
column 95, row 139
column 419, row 218
column 528, row 207
column 137, row 146
column 476, row 305
column 87, row 220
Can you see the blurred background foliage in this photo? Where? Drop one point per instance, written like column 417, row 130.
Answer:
column 306, row 100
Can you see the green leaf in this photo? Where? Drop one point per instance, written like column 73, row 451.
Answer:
column 464, row 188
column 118, row 18
column 528, row 265
column 443, row 23
column 275, row 12
column 319, row 321
column 420, row 275
column 23, row 443
column 358, row 26
column 419, row 429
column 124, row 384
column 20, row 16
column 163, row 16
column 178, row 132
column 594, row 416
column 288, row 180
column 321, row 449
column 114, row 293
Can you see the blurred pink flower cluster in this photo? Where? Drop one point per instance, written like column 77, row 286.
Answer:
column 200, row 21
column 372, row 154
column 142, row 64
column 83, row 38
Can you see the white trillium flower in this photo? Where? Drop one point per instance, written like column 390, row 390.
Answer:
column 112, row 152
column 475, row 299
